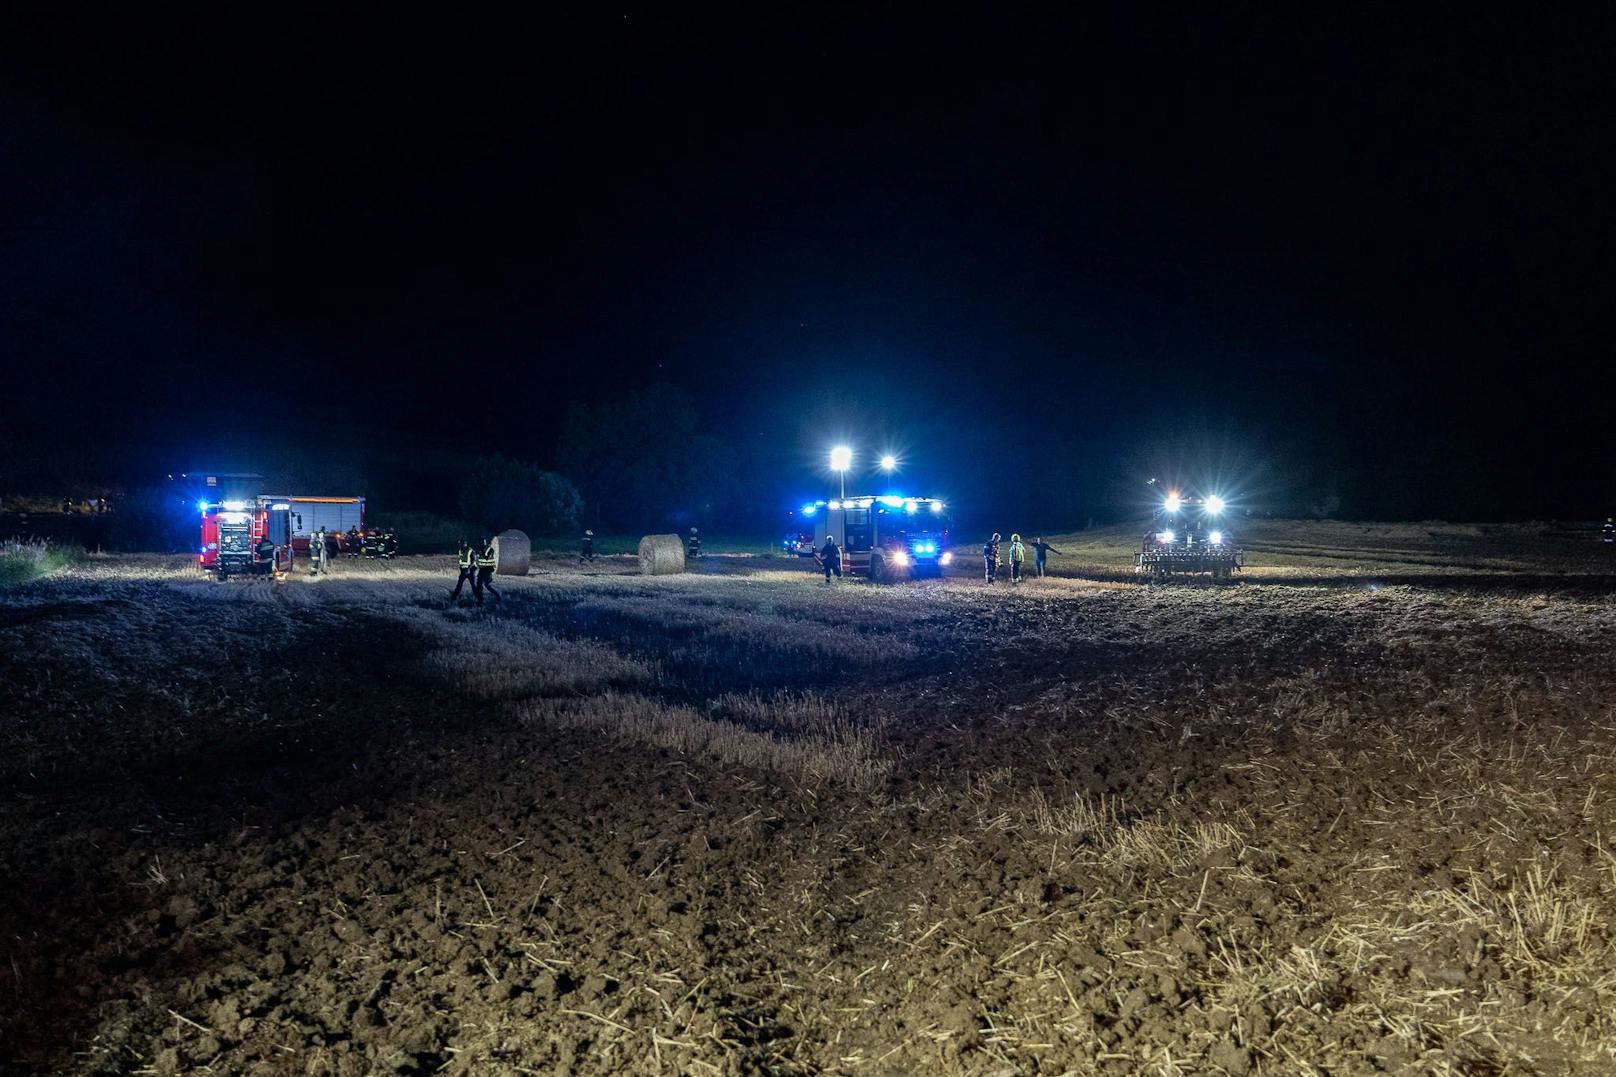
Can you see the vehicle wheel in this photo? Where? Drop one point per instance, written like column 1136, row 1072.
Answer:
column 878, row 569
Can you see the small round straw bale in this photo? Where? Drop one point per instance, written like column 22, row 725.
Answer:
column 513, row 553
column 662, row 555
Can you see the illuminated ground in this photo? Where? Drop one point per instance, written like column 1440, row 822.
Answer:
column 1353, row 814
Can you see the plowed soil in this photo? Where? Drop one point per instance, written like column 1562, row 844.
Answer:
column 742, row 822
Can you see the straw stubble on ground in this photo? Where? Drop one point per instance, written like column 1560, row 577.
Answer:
column 741, row 822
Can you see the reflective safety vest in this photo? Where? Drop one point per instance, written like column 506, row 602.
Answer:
column 486, row 558
column 465, row 557
column 1018, row 553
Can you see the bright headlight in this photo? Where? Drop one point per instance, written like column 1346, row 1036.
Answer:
column 1173, row 503
column 947, row 558
column 1164, row 536
column 1216, row 538
column 899, row 557
column 1214, row 505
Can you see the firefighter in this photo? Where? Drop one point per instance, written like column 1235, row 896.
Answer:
column 990, row 559
column 468, row 572
column 695, row 543
column 1040, row 552
column 830, row 557
column 266, row 553
column 1608, row 533
column 587, row 551
column 389, row 544
column 487, row 559
column 371, row 544
column 350, row 545
column 1018, row 557
column 316, row 552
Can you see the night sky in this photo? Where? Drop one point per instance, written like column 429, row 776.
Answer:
column 1362, row 257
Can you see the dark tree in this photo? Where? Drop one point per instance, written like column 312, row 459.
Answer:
column 500, row 493
column 644, row 460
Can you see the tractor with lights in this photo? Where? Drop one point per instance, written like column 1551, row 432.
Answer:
column 1187, row 538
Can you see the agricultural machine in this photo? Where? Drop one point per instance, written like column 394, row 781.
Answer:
column 882, row 538
column 245, row 537
column 1187, row 539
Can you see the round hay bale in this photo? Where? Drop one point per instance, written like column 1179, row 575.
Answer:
column 662, row 555
column 513, row 553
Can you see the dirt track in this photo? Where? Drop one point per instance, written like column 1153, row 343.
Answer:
column 740, row 822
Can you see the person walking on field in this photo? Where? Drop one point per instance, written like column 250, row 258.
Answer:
column 468, row 572
column 317, row 552
column 831, row 558
column 695, row 543
column 1609, row 533
column 487, row 559
column 587, row 553
column 1018, row 557
column 990, row 559
column 1040, row 551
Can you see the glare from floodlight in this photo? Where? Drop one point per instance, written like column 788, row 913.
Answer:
column 841, row 458
column 889, row 462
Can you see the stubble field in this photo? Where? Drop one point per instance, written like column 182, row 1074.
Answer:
column 1353, row 814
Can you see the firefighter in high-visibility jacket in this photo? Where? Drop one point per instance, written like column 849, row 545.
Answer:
column 487, row 559
column 468, row 572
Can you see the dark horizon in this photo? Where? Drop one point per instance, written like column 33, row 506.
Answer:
column 1314, row 258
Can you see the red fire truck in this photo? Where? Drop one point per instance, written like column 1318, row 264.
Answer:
column 884, row 538
column 245, row 537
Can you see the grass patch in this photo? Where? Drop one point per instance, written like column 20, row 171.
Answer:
column 25, row 560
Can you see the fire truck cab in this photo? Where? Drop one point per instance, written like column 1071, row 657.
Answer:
column 884, row 538
column 245, row 537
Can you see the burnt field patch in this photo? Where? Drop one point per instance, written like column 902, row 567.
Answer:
column 741, row 822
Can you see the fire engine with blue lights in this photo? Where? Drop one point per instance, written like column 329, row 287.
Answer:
column 883, row 538
column 245, row 537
